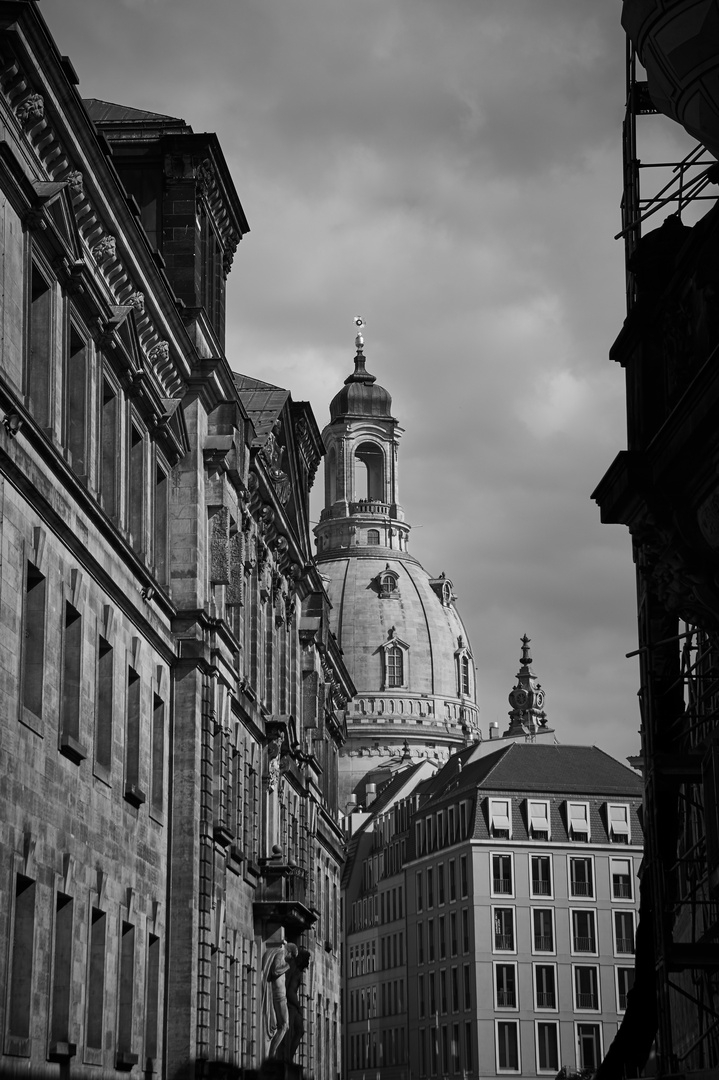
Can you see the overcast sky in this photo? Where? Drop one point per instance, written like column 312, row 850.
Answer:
column 451, row 171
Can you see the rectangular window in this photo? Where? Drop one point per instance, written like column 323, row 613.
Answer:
column 33, row 641
column 452, row 880
column 625, row 981
column 62, row 970
column 618, row 821
column 430, row 887
column 152, row 996
column 502, row 875
column 432, row 995
column 507, row 1046
column 419, row 890
column 420, row 943
column 541, row 880
column 76, row 382
column 578, row 821
column 453, row 933
column 543, row 930
column 71, row 663
column 158, row 753
column 455, row 990
column 500, row 820
column 442, row 938
column 584, row 938
column 136, row 490
column 463, row 876
column 465, row 930
column 126, row 989
column 96, row 980
column 504, row 929
column 38, row 374
column 455, row 1049
column 624, row 932
column 505, row 986
column 538, row 819
column 581, row 878
column 422, row 1052
column 440, row 883
column 132, row 739
column 467, row 988
column 545, row 986
column 21, row 961
column 547, row 1047
column 420, row 995
column 161, row 537
column 621, row 873
column 109, row 448
column 430, row 940
column 445, row 1049
column 589, row 1046
column 443, row 990
column 468, row 1055
column 586, row 988
column 104, row 704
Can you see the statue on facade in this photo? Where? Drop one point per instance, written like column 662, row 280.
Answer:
column 298, row 965
column 275, row 1015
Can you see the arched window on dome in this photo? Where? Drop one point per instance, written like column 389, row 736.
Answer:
column 394, row 655
column 464, row 675
column 373, row 536
column 394, row 660
column 464, row 668
column 387, row 582
column 368, row 472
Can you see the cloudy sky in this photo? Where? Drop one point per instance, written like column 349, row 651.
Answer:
column 450, row 170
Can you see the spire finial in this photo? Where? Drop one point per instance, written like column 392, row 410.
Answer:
column 525, row 658
column 359, row 339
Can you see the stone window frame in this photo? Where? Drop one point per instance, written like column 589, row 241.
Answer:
column 384, row 649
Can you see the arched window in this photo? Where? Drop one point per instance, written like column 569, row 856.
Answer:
column 394, row 659
column 373, row 536
column 464, row 669
column 369, row 472
column 331, row 493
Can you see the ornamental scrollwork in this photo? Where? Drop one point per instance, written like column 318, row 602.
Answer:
column 32, row 108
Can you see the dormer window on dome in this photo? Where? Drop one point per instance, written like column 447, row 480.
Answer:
column 443, row 588
column 387, row 583
column 464, row 668
column 395, row 662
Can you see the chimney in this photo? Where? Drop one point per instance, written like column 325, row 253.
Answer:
column 494, row 730
column 370, row 794
column 351, row 804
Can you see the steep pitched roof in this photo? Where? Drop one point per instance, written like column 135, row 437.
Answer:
column 108, row 112
column 263, row 402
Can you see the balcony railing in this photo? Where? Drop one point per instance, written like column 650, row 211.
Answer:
column 369, row 506
column 545, row 1000
column 502, row 885
column 586, row 1001
column 622, row 1002
column 586, row 944
column 543, row 942
column 504, row 941
column 622, row 890
column 581, row 888
column 505, row 999
column 540, row 888
column 625, row 945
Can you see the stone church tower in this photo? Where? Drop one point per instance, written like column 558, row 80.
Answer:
column 403, row 641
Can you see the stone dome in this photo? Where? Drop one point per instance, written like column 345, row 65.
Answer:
column 361, row 395
column 386, row 600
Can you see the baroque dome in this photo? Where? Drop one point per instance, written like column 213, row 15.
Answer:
column 402, row 638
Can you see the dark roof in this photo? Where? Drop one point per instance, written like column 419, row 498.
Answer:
column 530, row 767
column 103, row 112
column 263, row 402
column 361, row 395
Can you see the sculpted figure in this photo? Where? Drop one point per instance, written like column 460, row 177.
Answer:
column 275, row 966
column 298, row 965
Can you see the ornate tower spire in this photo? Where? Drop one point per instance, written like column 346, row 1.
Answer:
column 527, row 715
column 362, row 508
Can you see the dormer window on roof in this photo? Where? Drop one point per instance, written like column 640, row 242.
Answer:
column 538, row 819
column 618, row 823
column 500, row 819
column 578, row 821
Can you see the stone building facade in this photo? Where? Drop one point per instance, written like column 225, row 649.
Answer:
column 171, row 697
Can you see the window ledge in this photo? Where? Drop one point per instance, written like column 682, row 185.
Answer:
column 136, row 797
column 124, row 1060
column 72, row 748
column 62, row 1051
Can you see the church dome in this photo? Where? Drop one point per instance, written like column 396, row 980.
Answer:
column 361, row 395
